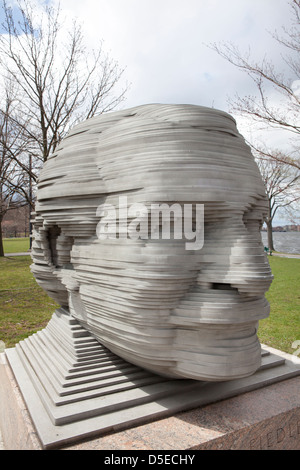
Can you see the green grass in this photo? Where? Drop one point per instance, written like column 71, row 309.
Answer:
column 16, row 245
column 26, row 308
column 282, row 327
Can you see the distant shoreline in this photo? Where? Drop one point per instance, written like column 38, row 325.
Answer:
column 284, row 228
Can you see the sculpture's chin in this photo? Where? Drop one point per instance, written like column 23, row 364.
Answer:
column 209, row 353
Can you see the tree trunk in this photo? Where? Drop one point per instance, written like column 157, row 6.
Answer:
column 1, row 240
column 270, row 235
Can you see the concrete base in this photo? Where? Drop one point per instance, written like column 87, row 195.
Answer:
column 265, row 418
column 16, row 428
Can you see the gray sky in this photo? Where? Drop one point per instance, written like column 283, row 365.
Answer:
column 163, row 43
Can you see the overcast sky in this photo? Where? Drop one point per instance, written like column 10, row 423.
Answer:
column 163, row 45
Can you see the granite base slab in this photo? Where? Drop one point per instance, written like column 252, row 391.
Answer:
column 263, row 419
column 266, row 417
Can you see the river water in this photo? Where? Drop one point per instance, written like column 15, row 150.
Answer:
column 286, row 242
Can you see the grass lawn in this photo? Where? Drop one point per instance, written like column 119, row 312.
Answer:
column 16, row 245
column 26, row 308
column 282, row 327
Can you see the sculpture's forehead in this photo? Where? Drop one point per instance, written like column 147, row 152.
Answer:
column 183, row 113
column 175, row 151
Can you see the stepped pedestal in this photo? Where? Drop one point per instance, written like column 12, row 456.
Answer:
column 74, row 388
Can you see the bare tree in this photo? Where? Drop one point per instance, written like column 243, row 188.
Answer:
column 13, row 187
column 260, row 107
column 282, row 187
column 59, row 79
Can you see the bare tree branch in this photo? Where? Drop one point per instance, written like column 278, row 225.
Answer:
column 260, row 107
column 59, row 80
column 14, row 181
column 282, row 185
column 280, row 169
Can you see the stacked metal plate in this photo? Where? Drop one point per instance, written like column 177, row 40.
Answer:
column 168, row 304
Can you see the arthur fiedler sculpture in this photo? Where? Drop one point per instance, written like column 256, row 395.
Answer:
column 180, row 311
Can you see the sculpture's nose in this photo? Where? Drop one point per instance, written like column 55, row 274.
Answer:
column 222, row 311
column 248, row 269
column 234, row 256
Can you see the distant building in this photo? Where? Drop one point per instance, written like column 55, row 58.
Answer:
column 284, row 228
column 16, row 222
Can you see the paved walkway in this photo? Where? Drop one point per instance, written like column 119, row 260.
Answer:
column 286, row 255
column 1, row 443
column 281, row 255
column 25, row 253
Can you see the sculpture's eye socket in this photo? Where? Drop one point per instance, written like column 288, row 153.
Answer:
column 59, row 247
column 53, row 234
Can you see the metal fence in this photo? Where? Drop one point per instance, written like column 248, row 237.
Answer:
column 14, row 233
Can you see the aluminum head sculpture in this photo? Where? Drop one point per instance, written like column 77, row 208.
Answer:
column 118, row 239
